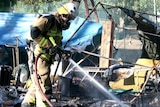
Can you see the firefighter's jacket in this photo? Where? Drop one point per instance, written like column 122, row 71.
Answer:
column 46, row 31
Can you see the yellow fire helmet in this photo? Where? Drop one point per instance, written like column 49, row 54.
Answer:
column 68, row 9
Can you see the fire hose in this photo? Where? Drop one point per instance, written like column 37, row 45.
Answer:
column 38, row 84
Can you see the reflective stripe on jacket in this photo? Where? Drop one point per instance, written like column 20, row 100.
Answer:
column 47, row 33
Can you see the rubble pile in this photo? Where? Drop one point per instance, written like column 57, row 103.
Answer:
column 9, row 96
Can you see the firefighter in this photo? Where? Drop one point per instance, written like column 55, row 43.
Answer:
column 46, row 31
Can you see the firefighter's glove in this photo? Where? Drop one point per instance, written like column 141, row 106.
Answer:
column 28, row 42
column 129, row 12
column 54, row 50
column 65, row 54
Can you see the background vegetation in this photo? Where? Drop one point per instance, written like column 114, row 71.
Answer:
column 45, row 6
column 49, row 6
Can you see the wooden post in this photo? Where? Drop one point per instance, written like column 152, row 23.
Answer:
column 15, row 53
column 106, row 43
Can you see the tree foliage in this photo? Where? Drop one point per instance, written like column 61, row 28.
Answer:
column 46, row 6
column 37, row 6
column 7, row 5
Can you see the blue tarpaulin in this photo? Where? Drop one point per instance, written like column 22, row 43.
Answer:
column 17, row 25
column 83, row 37
column 14, row 25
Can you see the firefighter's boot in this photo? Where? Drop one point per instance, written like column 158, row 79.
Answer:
column 30, row 99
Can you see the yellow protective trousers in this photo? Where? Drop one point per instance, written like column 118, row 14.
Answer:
column 33, row 95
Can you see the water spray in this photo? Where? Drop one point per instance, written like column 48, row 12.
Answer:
column 96, row 83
